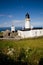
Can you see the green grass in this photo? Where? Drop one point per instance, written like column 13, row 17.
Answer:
column 33, row 43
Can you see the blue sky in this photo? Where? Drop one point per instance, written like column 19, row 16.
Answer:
column 13, row 12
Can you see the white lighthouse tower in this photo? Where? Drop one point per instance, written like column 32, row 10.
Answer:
column 12, row 28
column 27, row 21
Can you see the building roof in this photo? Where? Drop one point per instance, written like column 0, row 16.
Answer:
column 35, row 28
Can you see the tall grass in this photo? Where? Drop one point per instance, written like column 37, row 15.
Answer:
column 28, row 50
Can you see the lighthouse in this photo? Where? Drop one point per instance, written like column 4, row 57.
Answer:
column 12, row 28
column 27, row 21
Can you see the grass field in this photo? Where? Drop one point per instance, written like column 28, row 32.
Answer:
column 32, row 43
column 34, row 47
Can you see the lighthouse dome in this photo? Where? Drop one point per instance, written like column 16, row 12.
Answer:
column 27, row 15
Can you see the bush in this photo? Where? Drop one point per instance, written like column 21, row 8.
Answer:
column 6, row 60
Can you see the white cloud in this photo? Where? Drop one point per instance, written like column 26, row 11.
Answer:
column 10, row 16
column 13, row 22
column 1, row 25
column 18, row 22
column 2, row 15
column 37, row 24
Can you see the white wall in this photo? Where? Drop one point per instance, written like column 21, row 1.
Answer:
column 12, row 28
column 30, row 33
column 27, row 24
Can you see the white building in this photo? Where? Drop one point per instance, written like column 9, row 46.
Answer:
column 28, row 32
